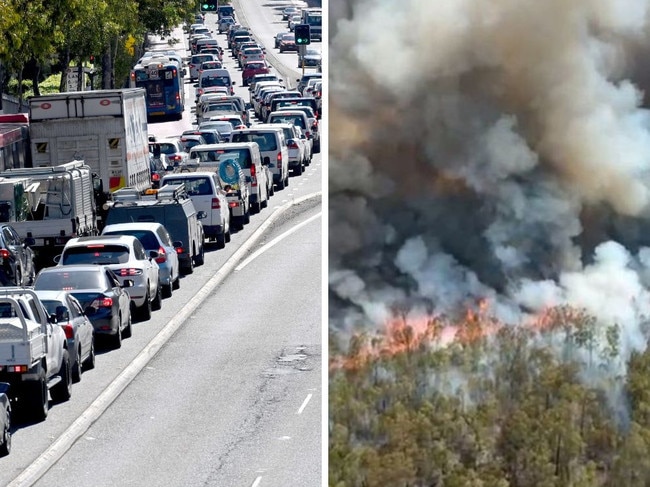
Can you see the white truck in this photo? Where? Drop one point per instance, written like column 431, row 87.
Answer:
column 50, row 205
column 34, row 358
column 105, row 128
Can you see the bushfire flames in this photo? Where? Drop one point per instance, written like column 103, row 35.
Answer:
column 401, row 334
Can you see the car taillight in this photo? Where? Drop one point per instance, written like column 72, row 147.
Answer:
column 179, row 250
column 308, row 134
column 216, row 204
column 155, row 177
column 162, row 256
column 4, row 253
column 175, row 157
column 292, row 144
column 129, row 272
column 279, row 160
column 102, row 303
column 233, row 204
column 69, row 331
column 253, row 175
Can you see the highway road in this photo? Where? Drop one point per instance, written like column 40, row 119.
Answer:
column 223, row 386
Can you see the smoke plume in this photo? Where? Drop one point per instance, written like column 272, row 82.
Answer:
column 491, row 150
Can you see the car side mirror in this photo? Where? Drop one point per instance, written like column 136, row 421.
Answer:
column 56, row 258
column 128, row 283
column 196, row 85
column 153, row 254
column 303, row 136
column 29, row 241
column 266, row 161
column 177, row 244
column 234, row 83
column 90, row 311
column 201, row 215
column 51, row 319
column 184, row 72
column 248, row 179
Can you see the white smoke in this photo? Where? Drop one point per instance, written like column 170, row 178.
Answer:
column 492, row 150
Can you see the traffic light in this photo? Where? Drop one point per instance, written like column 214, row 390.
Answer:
column 303, row 34
column 209, row 5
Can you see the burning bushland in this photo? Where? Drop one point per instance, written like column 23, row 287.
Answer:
column 492, row 159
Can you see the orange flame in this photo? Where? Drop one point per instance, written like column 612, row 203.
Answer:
column 401, row 334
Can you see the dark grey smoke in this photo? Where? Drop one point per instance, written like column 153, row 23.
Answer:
column 493, row 151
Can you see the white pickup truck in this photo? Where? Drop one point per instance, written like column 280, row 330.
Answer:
column 34, row 358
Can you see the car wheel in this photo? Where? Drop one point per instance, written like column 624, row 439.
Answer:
column 127, row 331
column 167, row 290
column 189, row 268
column 221, row 240
column 145, row 309
column 156, row 304
column 317, row 148
column 89, row 363
column 176, row 284
column 255, row 208
column 281, row 184
column 200, row 257
column 62, row 391
column 247, row 217
column 286, row 181
column 226, row 235
column 35, row 396
column 76, row 368
column 5, row 447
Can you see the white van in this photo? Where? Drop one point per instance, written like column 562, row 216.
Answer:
column 249, row 158
column 211, row 79
column 272, row 146
column 205, row 190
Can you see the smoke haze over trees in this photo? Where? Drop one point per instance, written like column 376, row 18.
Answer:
column 495, row 156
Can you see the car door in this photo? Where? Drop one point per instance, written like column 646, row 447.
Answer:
column 16, row 251
column 82, row 324
column 122, row 298
column 150, row 266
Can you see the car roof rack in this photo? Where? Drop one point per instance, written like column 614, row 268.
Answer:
column 172, row 192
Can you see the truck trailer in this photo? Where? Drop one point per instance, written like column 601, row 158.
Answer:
column 105, row 128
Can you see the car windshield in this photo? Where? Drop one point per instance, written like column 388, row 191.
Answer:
column 67, row 280
column 96, row 254
column 265, row 141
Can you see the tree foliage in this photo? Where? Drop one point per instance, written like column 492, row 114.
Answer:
column 41, row 37
column 517, row 408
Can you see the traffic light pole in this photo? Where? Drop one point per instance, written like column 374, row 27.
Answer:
column 302, row 49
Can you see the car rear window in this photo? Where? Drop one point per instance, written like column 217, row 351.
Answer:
column 146, row 237
column 96, row 254
column 294, row 119
column 242, row 156
column 193, row 186
column 266, row 141
column 167, row 149
column 66, row 280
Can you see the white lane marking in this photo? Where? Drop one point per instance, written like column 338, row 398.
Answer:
column 30, row 475
column 304, row 403
column 257, row 482
column 266, row 247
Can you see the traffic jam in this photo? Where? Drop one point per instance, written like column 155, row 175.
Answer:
column 93, row 246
